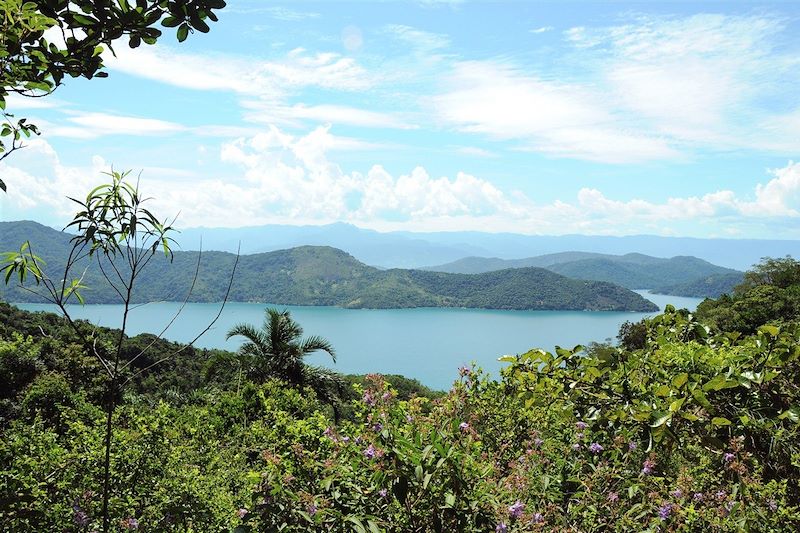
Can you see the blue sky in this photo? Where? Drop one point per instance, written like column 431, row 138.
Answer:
column 671, row 118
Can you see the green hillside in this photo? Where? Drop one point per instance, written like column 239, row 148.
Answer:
column 679, row 276
column 320, row 275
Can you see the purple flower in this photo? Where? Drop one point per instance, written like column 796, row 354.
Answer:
column 664, row 511
column 632, row 446
column 463, row 426
column 377, row 427
column 576, row 446
column 613, row 497
column 538, row 518
column 241, row 512
column 386, row 395
column 698, row 497
column 369, row 399
column 328, row 431
column 312, row 509
column 648, row 466
column 537, row 442
column 501, row 528
column 595, row 448
column 129, row 523
column 369, row 453
column 464, row 371
column 345, row 439
column 80, row 518
column 721, row 495
column 579, row 435
column 581, row 425
column 677, row 494
column 728, row 457
column 773, row 505
column 516, row 510
column 383, row 492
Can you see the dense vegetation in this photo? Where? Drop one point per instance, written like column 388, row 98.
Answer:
column 682, row 426
column 770, row 293
column 318, row 275
column 678, row 276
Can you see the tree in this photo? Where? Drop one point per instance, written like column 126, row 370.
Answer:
column 44, row 41
column 121, row 236
column 781, row 272
column 276, row 350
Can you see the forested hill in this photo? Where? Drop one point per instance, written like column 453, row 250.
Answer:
column 319, row 275
column 679, row 276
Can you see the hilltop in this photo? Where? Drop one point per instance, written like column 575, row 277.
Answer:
column 322, row 275
column 679, row 276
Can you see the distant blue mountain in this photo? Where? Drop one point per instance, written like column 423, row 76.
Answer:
column 411, row 250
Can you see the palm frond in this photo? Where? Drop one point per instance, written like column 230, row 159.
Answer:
column 315, row 344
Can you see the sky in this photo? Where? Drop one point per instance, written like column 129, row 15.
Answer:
column 608, row 118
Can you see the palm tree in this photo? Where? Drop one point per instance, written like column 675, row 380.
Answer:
column 277, row 351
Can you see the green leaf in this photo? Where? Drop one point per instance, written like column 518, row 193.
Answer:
column 772, row 331
column 680, row 380
column 662, row 391
column 676, row 405
column 449, row 499
column 660, row 418
column 720, row 421
column 183, row 32
column 792, row 414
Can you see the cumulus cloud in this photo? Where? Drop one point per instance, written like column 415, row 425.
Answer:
column 286, row 178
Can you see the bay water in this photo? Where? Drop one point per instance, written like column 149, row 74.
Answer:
column 428, row 344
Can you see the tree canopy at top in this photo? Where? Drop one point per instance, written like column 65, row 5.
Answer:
column 43, row 41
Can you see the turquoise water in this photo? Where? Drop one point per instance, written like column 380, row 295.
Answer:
column 428, row 344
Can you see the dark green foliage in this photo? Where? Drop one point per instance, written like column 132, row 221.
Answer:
column 318, row 275
column 712, row 286
column 682, row 427
column 769, row 294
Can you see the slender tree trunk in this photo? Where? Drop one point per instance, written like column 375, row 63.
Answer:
column 110, row 406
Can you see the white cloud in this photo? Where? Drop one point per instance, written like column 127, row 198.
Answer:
column 474, row 151
column 16, row 101
column 560, row 119
column 94, row 125
column 284, row 178
column 269, row 113
column 657, row 88
column 289, row 15
column 419, row 39
column 104, row 124
column 242, row 75
column 542, row 29
column 700, row 80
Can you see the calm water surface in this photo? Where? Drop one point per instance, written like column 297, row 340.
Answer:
column 428, row 344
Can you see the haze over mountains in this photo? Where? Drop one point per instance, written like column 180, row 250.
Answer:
column 321, row 275
column 415, row 250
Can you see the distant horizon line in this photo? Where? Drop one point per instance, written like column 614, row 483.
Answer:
column 440, row 232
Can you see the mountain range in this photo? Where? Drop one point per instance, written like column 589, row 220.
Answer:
column 414, row 250
column 679, row 276
column 322, row 275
